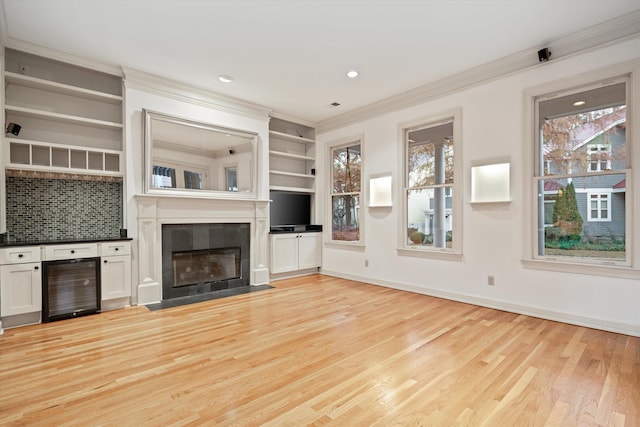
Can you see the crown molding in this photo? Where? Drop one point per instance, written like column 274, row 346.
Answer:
column 290, row 118
column 56, row 55
column 151, row 83
column 615, row 30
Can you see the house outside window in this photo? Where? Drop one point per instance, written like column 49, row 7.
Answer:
column 582, row 173
column 431, row 217
column 346, row 185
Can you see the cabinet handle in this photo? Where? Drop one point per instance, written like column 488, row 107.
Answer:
column 20, row 255
column 105, row 261
column 36, row 268
column 72, row 251
column 116, row 249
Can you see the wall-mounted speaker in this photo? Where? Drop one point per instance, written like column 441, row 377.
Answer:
column 14, row 128
column 544, row 54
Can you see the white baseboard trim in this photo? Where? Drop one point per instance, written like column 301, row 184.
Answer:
column 589, row 322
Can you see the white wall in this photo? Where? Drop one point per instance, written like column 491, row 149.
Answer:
column 493, row 123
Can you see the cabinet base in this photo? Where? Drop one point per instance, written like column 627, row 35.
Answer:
column 297, row 273
column 16, row 320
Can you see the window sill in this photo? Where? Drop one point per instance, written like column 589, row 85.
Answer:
column 577, row 268
column 356, row 246
column 490, row 203
column 443, row 255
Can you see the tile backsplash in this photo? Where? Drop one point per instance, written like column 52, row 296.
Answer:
column 51, row 209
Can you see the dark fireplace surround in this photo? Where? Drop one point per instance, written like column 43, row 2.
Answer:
column 203, row 258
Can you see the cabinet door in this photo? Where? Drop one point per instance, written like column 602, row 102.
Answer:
column 115, row 277
column 284, row 253
column 20, row 289
column 309, row 250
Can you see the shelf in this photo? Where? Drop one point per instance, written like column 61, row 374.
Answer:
column 36, row 83
column 290, row 155
column 291, row 189
column 293, row 174
column 36, row 155
column 292, row 138
column 65, row 118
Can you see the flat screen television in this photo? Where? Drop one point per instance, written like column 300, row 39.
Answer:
column 289, row 208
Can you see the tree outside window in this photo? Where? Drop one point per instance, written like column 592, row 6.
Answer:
column 346, row 164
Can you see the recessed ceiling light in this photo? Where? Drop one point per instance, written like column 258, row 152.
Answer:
column 352, row 74
column 225, row 79
column 579, row 103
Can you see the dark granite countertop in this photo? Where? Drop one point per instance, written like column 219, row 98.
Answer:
column 63, row 242
column 296, row 229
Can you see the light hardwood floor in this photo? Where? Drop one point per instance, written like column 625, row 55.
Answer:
column 318, row 350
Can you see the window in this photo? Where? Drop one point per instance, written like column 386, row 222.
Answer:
column 163, row 177
column 346, row 184
column 581, row 174
column 231, row 177
column 173, row 175
column 430, row 196
column 599, row 207
column 599, row 157
column 193, row 180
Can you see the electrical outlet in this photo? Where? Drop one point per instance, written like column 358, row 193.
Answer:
column 366, row 263
column 23, row 69
column 491, row 280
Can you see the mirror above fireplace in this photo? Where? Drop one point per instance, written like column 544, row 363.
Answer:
column 185, row 157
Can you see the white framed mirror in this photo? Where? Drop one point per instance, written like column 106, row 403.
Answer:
column 185, row 157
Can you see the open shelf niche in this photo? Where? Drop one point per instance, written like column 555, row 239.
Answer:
column 291, row 156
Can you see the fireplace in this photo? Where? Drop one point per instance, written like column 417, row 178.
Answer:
column 202, row 258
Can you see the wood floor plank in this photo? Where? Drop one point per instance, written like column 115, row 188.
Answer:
column 318, row 350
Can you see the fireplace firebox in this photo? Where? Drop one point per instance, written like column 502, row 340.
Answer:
column 202, row 258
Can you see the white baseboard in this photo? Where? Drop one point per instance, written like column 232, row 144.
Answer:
column 589, row 322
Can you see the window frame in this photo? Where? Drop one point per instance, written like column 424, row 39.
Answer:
column 599, row 200
column 630, row 72
column 454, row 253
column 337, row 144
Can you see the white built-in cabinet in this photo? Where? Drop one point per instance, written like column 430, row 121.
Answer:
column 115, row 270
column 20, row 281
column 21, row 274
column 295, row 251
column 71, row 118
column 291, row 156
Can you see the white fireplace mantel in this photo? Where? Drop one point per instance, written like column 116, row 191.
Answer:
column 156, row 210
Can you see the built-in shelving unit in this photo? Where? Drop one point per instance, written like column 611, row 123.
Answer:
column 291, row 156
column 70, row 117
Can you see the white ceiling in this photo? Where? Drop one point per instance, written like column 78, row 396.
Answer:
column 292, row 56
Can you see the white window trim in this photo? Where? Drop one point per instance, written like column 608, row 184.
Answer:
column 631, row 269
column 344, row 142
column 595, row 192
column 448, row 254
